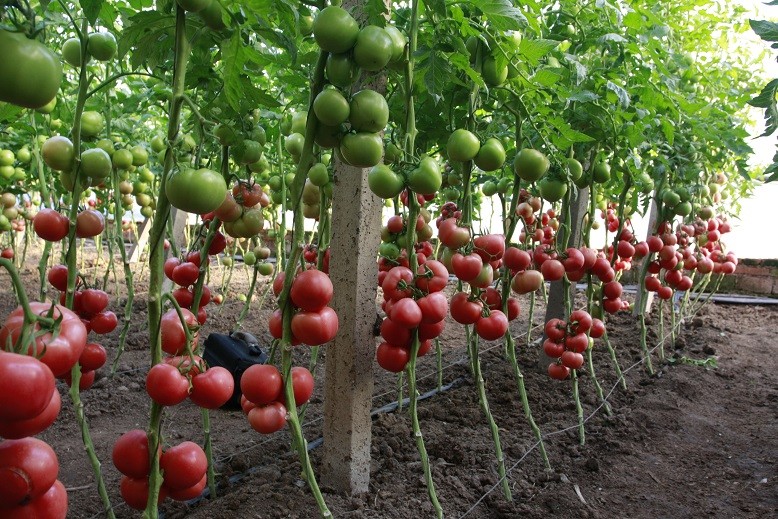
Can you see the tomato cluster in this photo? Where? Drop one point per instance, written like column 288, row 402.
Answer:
column 313, row 323
column 185, row 274
column 566, row 341
column 13, row 217
column 29, row 404
column 263, row 400
column 184, row 469
column 241, row 210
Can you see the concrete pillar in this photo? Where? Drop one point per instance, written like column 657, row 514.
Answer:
column 652, row 217
column 348, row 390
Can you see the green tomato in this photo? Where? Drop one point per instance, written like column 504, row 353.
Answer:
column 289, row 180
column 451, row 194
column 493, row 74
column 328, row 137
column 530, row 165
column 305, row 25
column 294, row 144
column 389, row 251
column 258, row 134
column 310, row 193
column 102, row 45
column 31, row 74
column 392, row 154
column 212, row 16
column 601, row 172
column 318, row 174
column 683, row 194
column 158, row 144
column 92, row 123
column 19, row 174
column 6, row 172
column 489, row 188
column 48, row 107
column 195, row 191
column 342, row 71
column 683, row 209
column 23, row 155
column 574, row 168
column 426, row 179
column 226, row 135
column 71, row 52
column 462, row 145
column 670, row 198
column 491, row 156
column 299, row 121
column 146, row 211
column 122, row 159
column 552, row 189
column 363, row 149
column 335, row 30
column 265, row 269
column 369, row 111
column 384, row 182
column 330, row 107
column 7, row 158
column 95, row 163
column 260, row 166
column 504, row 185
column 247, row 152
column 139, row 155
column 146, row 175
column 106, row 145
column 398, row 42
column 373, row 48
column 58, row 153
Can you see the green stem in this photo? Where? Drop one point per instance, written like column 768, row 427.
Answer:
column 578, row 408
column 597, row 386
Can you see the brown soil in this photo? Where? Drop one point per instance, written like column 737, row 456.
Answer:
column 687, row 442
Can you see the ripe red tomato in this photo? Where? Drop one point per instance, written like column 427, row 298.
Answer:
column 261, row 384
column 513, row 308
column 453, row 236
column 267, row 419
column 26, row 387
column 614, row 305
column 93, row 301
column 93, row 357
column 527, row 281
column 278, row 283
column 490, row 246
column 59, row 353
column 625, row 249
column 430, row 330
column 246, row 195
column 166, row 385
column 189, row 493
column 664, row 293
column 84, row 383
column 612, row 290
column 572, row 360
column 58, row 277
column 173, row 335
column 50, row 225
column 553, row 349
column 302, row 384
column 484, row 278
column 315, row 328
column 212, row 388
column 394, row 333
column 104, row 322
column 577, row 343
column 186, row 274
column 183, row 465
column 392, row 286
column 131, row 454
column 597, row 330
column 555, row 329
column 493, row 326
column 311, row 290
column 432, row 276
column 552, row 270
column 28, row 469
column 184, row 297
column 406, row 313
column 466, row 267
column 516, row 259
column 170, row 265
column 135, row 492
column 464, row 311
column 558, row 371
column 53, row 504
column 392, row 358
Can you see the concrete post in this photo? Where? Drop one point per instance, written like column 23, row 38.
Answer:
column 652, row 217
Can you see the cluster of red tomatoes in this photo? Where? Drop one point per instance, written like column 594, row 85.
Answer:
column 29, row 404
column 263, row 400
column 241, row 210
column 539, row 228
column 314, row 323
column 186, row 376
column 393, row 248
column 184, row 468
column 53, row 226
column 185, row 274
column 311, row 257
column 567, row 341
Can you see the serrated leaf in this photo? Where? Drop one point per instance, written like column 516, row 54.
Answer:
column 436, row 72
column 9, row 112
column 502, row 15
column 766, row 30
column 91, row 9
column 546, row 77
column 462, row 64
column 767, row 96
column 668, row 130
column 622, row 94
column 533, row 50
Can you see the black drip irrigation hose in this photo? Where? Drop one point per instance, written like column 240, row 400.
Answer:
column 386, row 409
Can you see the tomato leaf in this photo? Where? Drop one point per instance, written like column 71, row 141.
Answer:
column 534, row 50
column 91, row 9
column 766, row 30
column 501, row 14
column 622, row 94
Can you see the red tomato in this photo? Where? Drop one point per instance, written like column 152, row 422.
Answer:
column 558, row 371
column 574, row 260
column 278, row 283
column 51, row 505
column 493, row 326
column 432, row 276
column 572, row 360
column 173, row 335
column 394, row 333
column 186, row 274
column 583, row 320
column 131, row 454
column 664, row 293
column 597, row 330
column 485, row 277
column 311, row 290
column 26, row 386
column 267, row 419
column 555, row 329
column 93, row 357
column 135, row 492
column 50, row 225
column 492, row 298
column 166, row 385
column 59, row 353
column 246, row 195
column 625, row 249
column 213, row 388
column 58, row 277
column 84, row 383
column 302, row 384
column 170, row 264
column 430, row 330
column 93, row 301
column 577, row 343
column 513, row 308
column 527, row 281
column 397, row 283
column 184, row 297
column 490, row 246
column 89, row 223
column 612, row 290
column 652, row 283
column 15, row 429
column 189, row 493
column 516, row 259
column 614, row 305
column 183, row 465
column 28, row 469
column 261, row 384
column 315, row 328
column 104, row 322
column 7, row 253
column 406, row 313
column 392, row 358
column 553, row 349
column 464, row 311
column 466, row 267
column 552, row 270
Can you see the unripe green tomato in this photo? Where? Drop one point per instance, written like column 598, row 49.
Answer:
column 389, row 250
column 157, row 144
column 249, row 258
column 92, row 124
column 504, row 185
column 289, row 180
column 258, row 134
column 139, row 155
column 262, row 252
column 122, row 159
column 7, row 158
column 71, row 52
column 489, row 188
column 106, row 145
column 265, row 269
column 462, row 145
column 102, row 45
column 299, row 120
column 146, row 175
column 530, row 165
column 294, row 144
column 318, row 175
column 146, row 211
column 341, row 70
column 327, row 190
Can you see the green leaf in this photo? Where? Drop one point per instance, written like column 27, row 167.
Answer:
column 462, row 64
column 583, row 96
column 668, row 130
column 534, row 50
column 9, row 112
column 435, row 69
column 618, row 38
column 546, row 77
column 91, row 9
column 766, row 30
column 501, row 14
column 622, row 94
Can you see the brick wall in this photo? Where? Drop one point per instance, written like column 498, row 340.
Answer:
column 754, row 277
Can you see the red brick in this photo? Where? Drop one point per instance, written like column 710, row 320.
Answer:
column 748, row 270
column 755, row 284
